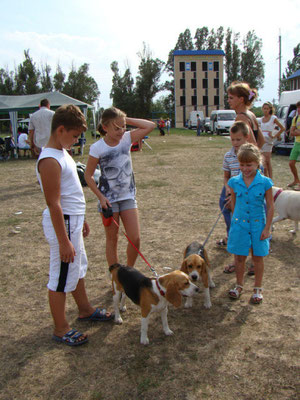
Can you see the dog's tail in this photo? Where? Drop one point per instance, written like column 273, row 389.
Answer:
column 114, row 266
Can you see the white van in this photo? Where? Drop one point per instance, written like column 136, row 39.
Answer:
column 192, row 123
column 221, row 121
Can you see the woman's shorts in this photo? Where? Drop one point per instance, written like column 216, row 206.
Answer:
column 295, row 153
column 122, row 205
column 64, row 277
column 267, row 148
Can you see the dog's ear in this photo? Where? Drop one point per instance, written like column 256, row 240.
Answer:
column 184, row 266
column 173, row 295
column 204, row 274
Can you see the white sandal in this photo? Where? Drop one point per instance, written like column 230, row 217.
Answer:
column 235, row 293
column 257, row 296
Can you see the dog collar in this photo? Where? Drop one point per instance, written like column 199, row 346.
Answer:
column 277, row 194
column 159, row 288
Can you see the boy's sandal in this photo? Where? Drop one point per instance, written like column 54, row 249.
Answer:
column 291, row 185
column 297, row 188
column 221, row 242
column 251, row 270
column 229, row 269
column 71, row 338
column 235, row 293
column 98, row 315
column 257, row 296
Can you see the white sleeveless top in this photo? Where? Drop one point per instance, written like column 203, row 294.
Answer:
column 71, row 194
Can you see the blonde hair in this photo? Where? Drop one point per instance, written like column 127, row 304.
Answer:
column 270, row 105
column 109, row 115
column 248, row 153
column 240, row 126
column 242, row 89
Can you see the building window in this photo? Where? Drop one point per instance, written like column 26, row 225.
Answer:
column 216, row 101
column 182, row 100
column 216, row 83
column 216, row 65
column 204, row 65
column 182, row 83
column 193, row 83
column 205, row 83
column 193, row 66
column 182, row 66
column 205, row 100
column 194, row 100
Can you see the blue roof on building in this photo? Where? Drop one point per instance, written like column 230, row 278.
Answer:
column 198, row 52
column 294, row 75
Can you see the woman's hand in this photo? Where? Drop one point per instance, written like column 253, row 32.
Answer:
column 265, row 234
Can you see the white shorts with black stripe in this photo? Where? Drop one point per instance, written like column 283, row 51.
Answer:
column 64, row 277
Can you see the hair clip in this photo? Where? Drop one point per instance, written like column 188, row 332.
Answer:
column 252, row 94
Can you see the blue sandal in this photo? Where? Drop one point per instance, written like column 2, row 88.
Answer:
column 71, row 338
column 98, row 315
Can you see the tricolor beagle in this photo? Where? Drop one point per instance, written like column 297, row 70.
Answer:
column 196, row 264
column 151, row 294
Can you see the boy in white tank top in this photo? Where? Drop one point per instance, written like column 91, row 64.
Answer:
column 65, row 226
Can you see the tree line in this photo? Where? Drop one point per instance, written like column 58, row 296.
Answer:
column 243, row 61
column 27, row 78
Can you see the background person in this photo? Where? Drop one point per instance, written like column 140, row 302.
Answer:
column 40, row 127
column 161, row 125
column 199, row 125
column 268, row 123
column 168, row 126
column 295, row 153
column 240, row 99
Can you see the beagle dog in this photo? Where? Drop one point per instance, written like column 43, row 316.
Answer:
column 196, row 264
column 151, row 294
column 287, row 205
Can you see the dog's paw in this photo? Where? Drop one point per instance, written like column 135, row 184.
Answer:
column 123, row 309
column 118, row 320
column 168, row 332
column 144, row 340
column 188, row 303
column 207, row 304
column 212, row 284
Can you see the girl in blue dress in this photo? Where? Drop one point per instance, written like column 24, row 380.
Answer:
column 250, row 224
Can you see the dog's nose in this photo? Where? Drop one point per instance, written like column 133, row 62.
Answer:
column 194, row 277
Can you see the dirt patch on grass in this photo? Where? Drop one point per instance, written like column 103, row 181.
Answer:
column 233, row 350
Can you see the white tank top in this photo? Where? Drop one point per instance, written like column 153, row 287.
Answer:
column 71, row 193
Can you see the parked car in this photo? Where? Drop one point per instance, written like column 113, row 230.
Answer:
column 206, row 126
column 192, row 122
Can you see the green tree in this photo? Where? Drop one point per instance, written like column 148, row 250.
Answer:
column 46, row 80
column 59, row 79
column 201, row 38
column 81, row 86
column 292, row 66
column 6, row 82
column 232, row 57
column 122, row 91
column 147, row 82
column 27, row 76
column 252, row 65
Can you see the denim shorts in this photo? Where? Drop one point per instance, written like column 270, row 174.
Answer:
column 122, row 205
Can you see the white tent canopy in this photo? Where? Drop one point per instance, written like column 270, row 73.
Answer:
column 30, row 103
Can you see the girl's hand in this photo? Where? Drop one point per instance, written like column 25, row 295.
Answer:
column 228, row 201
column 104, row 202
column 265, row 234
column 67, row 252
column 85, row 229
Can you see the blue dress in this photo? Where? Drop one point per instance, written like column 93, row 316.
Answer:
column 249, row 217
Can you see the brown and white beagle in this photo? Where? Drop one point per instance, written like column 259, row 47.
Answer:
column 196, row 264
column 151, row 294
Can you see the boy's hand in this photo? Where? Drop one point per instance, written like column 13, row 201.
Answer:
column 85, row 229
column 67, row 252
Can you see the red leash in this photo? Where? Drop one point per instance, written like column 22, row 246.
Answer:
column 107, row 221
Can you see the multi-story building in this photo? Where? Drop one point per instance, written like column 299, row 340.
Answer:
column 199, row 83
column 294, row 80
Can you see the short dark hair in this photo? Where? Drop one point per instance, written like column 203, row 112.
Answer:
column 70, row 117
column 240, row 126
column 298, row 104
column 45, row 103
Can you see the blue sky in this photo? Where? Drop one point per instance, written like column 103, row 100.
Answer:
column 98, row 32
